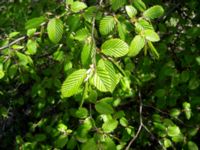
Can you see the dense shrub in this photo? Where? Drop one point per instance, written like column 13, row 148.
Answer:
column 112, row 74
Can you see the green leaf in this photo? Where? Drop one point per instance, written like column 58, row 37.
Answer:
column 3, row 112
column 109, row 125
column 81, row 113
column 69, row 2
column 86, row 53
column 1, row 71
column 123, row 121
column 187, row 110
column 31, row 32
column 23, row 59
column 153, row 50
column 78, row 6
column 198, row 60
column 131, row 11
column 140, row 5
column 108, row 66
column 136, row 45
column 40, row 137
column 55, row 30
column 185, row 75
column 175, row 112
column 17, row 47
column 103, row 108
column 72, row 83
column 141, row 25
column 101, row 80
column 58, row 55
column 192, row 146
column 178, row 138
column 115, row 48
column 92, row 12
column 107, row 24
column 34, row 22
column 90, row 145
column 173, row 131
column 83, row 130
column 82, row 34
column 116, row 4
column 108, row 143
column 167, row 143
column 151, row 35
column 154, row 12
column 121, row 31
column 193, row 83
column 31, row 47
column 13, row 34
column 61, row 141
column 62, row 127
column 12, row 71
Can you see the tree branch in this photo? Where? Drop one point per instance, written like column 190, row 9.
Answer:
column 16, row 41
column 142, row 126
column 141, row 123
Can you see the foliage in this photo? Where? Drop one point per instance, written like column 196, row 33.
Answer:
column 113, row 74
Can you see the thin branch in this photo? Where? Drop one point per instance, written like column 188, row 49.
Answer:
column 141, row 123
column 168, row 13
column 159, row 142
column 167, row 114
column 142, row 126
column 16, row 41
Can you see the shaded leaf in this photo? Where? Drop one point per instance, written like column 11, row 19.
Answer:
column 140, row 5
column 116, row 4
column 192, row 146
column 61, row 141
column 103, row 108
column 90, row 145
column 34, row 22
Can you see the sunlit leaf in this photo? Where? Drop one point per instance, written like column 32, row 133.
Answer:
column 71, row 85
column 151, row 35
column 78, row 6
column 103, row 108
column 131, row 11
column 55, row 30
column 115, row 48
column 107, row 24
column 154, row 12
column 136, row 46
column 173, row 131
